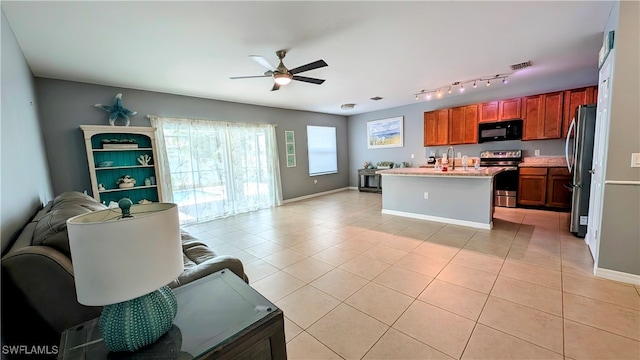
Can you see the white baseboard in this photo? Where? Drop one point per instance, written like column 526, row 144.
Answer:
column 439, row 219
column 315, row 195
column 618, row 276
column 353, row 188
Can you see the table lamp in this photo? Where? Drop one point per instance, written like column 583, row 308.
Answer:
column 125, row 263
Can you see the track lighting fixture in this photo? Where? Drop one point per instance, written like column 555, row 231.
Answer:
column 439, row 90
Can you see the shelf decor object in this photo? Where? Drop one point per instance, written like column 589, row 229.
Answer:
column 124, row 261
column 385, row 133
column 117, row 111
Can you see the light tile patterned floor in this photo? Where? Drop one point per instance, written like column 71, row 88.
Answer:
column 354, row 283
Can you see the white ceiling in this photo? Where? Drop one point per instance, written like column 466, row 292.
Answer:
column 387, row 49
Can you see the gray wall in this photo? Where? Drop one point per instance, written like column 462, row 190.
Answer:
column 414, row 124
column 25, row 182
column 620, row 230
column 65, row 105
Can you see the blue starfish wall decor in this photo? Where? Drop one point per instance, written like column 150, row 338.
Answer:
column 117, row 111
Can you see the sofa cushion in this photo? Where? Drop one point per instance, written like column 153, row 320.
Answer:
column 51, row 229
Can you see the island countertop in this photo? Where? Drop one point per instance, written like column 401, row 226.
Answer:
column 483, row 172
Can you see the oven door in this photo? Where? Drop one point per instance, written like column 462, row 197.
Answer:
column 506, row 188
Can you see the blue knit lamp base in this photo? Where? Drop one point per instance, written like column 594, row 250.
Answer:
column 132, row 324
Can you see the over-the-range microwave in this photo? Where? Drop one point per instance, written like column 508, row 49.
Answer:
column 500, row 130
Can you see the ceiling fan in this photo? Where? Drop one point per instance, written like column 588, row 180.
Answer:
column 283, row 76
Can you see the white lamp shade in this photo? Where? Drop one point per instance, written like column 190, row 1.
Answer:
column 117, row 259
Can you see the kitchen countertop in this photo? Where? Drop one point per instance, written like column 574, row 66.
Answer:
column 543, row 161
column 483, row 172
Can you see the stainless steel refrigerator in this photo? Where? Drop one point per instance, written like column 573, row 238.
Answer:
column 579, row 155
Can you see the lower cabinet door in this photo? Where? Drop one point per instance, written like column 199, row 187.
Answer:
column 532, row 190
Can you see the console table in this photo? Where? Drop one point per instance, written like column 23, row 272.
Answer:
column 364, row 175
column 219, row 317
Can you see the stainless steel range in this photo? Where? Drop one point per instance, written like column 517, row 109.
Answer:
column 506, row 182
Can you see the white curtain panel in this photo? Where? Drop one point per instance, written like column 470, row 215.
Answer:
column 216, row 169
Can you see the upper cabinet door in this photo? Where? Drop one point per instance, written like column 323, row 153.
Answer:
column 489, row 111
column 532, row 115
column 471, row 124
column 542, row 116
column 510, row 109
column 463, row 125
column 574, row 98
column 436, row 127
column 553, row 106
column 456, row 125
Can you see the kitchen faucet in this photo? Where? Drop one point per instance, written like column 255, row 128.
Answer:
column 453, row 157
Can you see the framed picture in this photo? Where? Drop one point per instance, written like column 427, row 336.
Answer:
column 290, row 143
column 385, row 133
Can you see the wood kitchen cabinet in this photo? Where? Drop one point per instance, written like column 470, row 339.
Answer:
column 500, row 110
column 436, row 127
column 558, row 195
column 574, row 98
column 532, row 186
column 544, row 187
column 463, row 125
column 510, row 109
column 542, row 115
column 489, row 111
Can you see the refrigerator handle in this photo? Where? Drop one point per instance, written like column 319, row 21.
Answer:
column 566, row 143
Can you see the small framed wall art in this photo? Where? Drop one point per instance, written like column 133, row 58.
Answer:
column 290, row 143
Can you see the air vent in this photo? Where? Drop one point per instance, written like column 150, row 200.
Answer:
column 523, row 65
column 376, row 98
column 347, row 106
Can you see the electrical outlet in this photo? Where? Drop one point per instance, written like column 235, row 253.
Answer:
column 413, row 156
column 426, row 195
column 459, row 155
column 536, row 152
column 315, row 181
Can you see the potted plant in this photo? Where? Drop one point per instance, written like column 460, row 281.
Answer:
column 385, row 165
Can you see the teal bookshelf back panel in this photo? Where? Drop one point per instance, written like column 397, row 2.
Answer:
column 121, row 158
column 134, row 194
column 143, row 141
column 108, row 177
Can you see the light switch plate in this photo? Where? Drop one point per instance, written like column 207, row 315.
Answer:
column 635, row 159
column 536, row 152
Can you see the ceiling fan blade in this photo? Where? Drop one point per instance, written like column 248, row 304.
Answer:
column 308, row 79
column 263, row 61
column 309, row 66
column 275, row 87
column 249, row 77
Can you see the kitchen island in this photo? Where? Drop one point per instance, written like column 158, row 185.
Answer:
column 460, row 197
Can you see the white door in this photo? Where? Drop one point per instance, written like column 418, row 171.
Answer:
column 598, row 169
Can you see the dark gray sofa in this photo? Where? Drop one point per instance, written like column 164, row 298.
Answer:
column 39, row 264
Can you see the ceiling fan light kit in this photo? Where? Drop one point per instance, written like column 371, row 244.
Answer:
column 283, row 76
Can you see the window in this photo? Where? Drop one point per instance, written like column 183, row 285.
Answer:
column 214, row 169
column 322, row 149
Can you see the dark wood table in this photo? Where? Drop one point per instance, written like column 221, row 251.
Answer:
column 219, row 317
column 364, row 177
